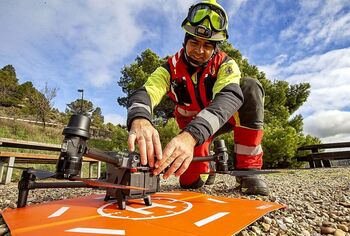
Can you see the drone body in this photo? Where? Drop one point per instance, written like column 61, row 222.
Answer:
column 141, row 177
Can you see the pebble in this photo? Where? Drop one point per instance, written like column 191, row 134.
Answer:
column 266, row 227
column 256, row 230
column 328, row 224
column 346, row 204
column 339, row 232
column 267, row 220
column 243, row 233
column 343, row 227
column 327, row 230
column 305, row 233
column 288, row 220
column 281, row 225
column 3, row 231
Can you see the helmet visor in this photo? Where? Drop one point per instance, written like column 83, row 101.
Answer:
column 216, row 16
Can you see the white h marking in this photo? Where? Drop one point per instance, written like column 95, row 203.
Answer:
column 210, row 219
column 143, row 211
column 216, row 200
column 59, row 212
column 263, row 207
column 97, row 231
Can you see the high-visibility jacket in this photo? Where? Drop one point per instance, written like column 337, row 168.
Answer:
column 205, row 97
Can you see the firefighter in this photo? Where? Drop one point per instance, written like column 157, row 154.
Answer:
column 210, row 98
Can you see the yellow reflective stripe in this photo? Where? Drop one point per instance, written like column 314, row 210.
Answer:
column 157, row 85
column 227, row 74
column 194, row 78
column 247, row 150
column 237, row 120
column 204, row 177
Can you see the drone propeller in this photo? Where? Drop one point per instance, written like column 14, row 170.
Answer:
column 102, row 184
column 40, row 174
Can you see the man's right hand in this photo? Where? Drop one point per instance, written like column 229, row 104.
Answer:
column 147, row 139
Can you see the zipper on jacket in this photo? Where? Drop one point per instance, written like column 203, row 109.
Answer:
column 197, row 92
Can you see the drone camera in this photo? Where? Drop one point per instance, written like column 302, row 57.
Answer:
column 76, row 133
column 221, row 155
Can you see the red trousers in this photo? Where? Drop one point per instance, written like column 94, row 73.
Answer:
column 247, row 126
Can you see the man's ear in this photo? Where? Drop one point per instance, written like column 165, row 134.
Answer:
column 216, row 48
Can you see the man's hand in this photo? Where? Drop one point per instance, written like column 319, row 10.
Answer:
column 178, row 154
column 147, row 138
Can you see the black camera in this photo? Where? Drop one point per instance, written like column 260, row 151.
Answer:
column 76, row 133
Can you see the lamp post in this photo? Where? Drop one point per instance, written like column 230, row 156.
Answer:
column 82, row 99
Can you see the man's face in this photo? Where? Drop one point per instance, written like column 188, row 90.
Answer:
column 199, row 49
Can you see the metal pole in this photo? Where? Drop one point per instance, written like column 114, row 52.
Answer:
column 82, row 99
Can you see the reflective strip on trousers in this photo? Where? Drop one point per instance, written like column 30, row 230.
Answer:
column 247, row 150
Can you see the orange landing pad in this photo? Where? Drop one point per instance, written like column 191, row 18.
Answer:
column 172, row 213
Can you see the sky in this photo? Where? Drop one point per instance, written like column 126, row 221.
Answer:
column 84, row 44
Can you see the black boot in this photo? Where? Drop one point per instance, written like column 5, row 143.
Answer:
column 252, row 185
column 210, row 180
column 196, row 184
column 212, row 175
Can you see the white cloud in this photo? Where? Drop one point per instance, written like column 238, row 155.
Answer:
column 83, row 44
column 325, row 111
column 328, row 124
column 338, row 138
column 115, row 119
column 319, row 23
column 328, row 75
column 89, row 38
column 273, row 70
column 335, row 59
column 233, row 7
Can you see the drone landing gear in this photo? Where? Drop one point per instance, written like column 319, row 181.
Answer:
column 122, row 199
column 147, row 200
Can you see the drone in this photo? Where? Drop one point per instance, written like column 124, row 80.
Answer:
column 126, row 178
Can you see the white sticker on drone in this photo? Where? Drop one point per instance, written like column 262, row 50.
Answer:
column 161, row 208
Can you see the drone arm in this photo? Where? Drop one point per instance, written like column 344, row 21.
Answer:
column 201, row 159
column 101, row 156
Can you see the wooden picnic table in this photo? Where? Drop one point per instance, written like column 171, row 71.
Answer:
column 321, row 158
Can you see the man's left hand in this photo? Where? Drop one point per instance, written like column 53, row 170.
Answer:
column 177, row 155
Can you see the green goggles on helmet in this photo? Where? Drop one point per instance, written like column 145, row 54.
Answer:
column 200, row 12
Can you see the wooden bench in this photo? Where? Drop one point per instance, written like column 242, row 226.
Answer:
column 12, row 158
column 319, row 158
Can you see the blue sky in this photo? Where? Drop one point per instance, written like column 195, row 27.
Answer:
column 84, row 44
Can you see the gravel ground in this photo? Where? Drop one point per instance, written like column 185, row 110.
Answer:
column 317, row 200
